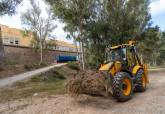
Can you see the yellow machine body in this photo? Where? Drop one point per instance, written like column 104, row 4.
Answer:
column 114, row 67
column 124, row 71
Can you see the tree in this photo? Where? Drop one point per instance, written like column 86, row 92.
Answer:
column 36, row 23
column 149, row 45
column 103, row 23
column 127, row 19
column 73, row 13
column 6, row 7
column 35, row 42
column 115, row 22
column 161, row 56
column 73, row 35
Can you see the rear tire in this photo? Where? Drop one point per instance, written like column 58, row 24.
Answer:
column 140, row 81
column 122, row 86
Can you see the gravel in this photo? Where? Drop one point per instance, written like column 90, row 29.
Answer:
column 152, row 101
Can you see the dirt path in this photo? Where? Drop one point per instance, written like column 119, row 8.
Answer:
column 15, row 78
column 150, row 102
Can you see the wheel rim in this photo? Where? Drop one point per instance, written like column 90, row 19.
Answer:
column 126, row 87
column 143, row 81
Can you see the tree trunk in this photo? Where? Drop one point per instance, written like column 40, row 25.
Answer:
column 82, row 47
column 77, row 51
column 41, row 51
column 2, row 53
column 82, row 55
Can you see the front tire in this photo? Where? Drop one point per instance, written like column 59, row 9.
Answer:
column 140, row 81
column 122, row 86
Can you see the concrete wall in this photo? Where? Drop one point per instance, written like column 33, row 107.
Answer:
column 25, row 55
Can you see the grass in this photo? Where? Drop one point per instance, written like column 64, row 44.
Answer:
column 52, row 82
column 34, row 85
column 34, row 66
column 73, row 66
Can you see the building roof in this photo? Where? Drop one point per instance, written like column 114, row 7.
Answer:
column 63, row 43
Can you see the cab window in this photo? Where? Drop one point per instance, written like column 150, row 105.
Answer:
column 131, row 57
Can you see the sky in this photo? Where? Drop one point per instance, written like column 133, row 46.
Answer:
column 14, row 21
column 157, row 9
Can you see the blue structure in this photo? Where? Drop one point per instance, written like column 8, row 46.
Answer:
column 63, row 58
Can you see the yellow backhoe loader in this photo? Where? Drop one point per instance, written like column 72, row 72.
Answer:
column 125, row 71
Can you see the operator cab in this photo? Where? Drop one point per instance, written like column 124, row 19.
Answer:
column 116, row 54
column 125, row 54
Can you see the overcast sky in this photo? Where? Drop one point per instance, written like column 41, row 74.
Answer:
column 157, row 10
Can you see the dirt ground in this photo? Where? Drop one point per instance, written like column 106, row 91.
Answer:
column 14, row 69
column 150, row 102
column 10, row 70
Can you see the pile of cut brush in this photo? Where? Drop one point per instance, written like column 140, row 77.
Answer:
column 87, row 82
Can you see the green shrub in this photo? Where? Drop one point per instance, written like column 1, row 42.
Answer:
column 36, row 79
column 58, row 75
column 34, row 66
column 43, row 64
column 28, row 67
column 20, row 84
column 73, row 66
